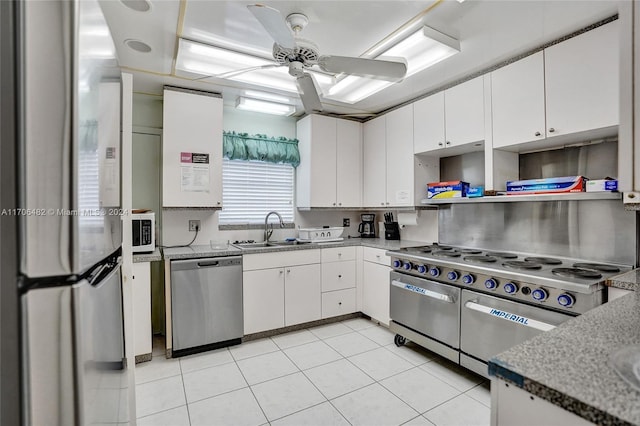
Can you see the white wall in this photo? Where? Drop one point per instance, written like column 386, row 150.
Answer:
column 148, row 113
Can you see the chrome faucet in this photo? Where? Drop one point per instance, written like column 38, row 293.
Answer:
column 267, row 231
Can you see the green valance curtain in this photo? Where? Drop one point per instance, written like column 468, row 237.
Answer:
column 242, row 146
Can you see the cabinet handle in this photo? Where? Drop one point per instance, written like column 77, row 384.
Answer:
column 339, row 276
column 339, row 254
column 281, row 271
column 334, row 204
column 448, row 143
column 387, row 203
column 218, row 203
column 440, row 144
column 382, row 204
column 538, row 133
column 288, row 271
column 339, row 303
column 551, row 130
column 339, row 204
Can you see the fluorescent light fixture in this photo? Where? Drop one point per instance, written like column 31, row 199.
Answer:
column 421, row 50
column 258, row 105
column 207, row 60
column 255, row 94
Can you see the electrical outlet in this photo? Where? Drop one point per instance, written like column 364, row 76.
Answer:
column 194, row 225
column 346, row 222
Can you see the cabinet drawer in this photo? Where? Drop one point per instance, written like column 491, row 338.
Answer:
column 338, row 275
column 336, row 254
column 339, row 302
column 280, row 259
column 376, row 255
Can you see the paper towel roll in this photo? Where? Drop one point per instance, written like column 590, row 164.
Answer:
column 408, row 218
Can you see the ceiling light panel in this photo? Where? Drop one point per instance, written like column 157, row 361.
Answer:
column 203, row 59
column 266, row 107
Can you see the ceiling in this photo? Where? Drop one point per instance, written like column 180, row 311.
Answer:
column 490, row 31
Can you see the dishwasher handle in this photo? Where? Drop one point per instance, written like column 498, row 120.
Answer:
column 206, row 262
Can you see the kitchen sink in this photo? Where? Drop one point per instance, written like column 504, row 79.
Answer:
column 264, row 244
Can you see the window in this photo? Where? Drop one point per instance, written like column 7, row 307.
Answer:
column 251, row 189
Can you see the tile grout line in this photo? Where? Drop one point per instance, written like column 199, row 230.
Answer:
column 252, row 393
column 184, row 389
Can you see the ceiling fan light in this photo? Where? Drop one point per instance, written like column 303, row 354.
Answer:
column 352, row 89
column 265, row 96
column 262, row 106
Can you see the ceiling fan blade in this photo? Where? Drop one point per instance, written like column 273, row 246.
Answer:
column 242, row 71
column 274, row 23
column 385, row 70
column 308, row 94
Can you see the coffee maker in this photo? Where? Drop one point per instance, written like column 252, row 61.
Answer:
column 367, row 227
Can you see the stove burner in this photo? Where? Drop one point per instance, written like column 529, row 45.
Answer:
column 544, row 260
column 445, row 253
column 470, row 251
column 480, row 259
column 423, row 249
column 439, row 247
column 501, row 254
column 597, row 267
column 576, row 273
column 519, row 264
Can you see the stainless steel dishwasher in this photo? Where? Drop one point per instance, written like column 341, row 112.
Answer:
column 206, row 304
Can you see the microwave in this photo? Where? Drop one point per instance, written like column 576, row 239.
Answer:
column 144, row 232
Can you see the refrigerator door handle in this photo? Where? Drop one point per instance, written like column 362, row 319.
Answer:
column 98, row 281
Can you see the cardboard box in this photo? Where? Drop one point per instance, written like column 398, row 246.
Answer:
column 475, row 191
column 546, row 185
column 602, row 185
column 450, row 189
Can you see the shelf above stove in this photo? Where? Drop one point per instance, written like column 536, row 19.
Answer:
column 573, row 196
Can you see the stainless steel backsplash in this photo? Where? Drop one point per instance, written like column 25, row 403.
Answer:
column 599, row 230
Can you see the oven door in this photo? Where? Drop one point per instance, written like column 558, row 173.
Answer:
column 491, row 325
column 428, row 307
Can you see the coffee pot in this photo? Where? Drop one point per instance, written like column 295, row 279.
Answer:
column 367, row 227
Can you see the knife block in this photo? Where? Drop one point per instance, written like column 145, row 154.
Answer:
column 391, row 231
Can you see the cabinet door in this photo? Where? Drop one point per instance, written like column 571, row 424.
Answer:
column 428, row 123
column 263, row 300
column 375, row 292
column 517, row 102
column 349, row 164
column 323, row 161
column 400, row 157
column 192, row 124
column 142, row 308
column 581, row 80
column 302, row 294
column 464, row 112
column 374, row 177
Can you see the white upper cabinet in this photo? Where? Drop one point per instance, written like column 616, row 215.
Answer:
column 191, row 149
column 517, row 96
column 568, row 92
column 582, row 81
column 428, row 123
column 388, row 161
column 451, row 118
column 349, row 163
column 400, row 163
column 374, row 165
column 329, row 174
column 464, row 112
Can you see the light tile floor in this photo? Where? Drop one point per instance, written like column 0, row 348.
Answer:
column 346, row 373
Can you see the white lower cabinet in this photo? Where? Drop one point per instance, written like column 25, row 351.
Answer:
column 263, row 299
column 338, row 302
column 302, row 301
column 280, row 289
column 375, row 284
column 338, row 281
column 142, row 308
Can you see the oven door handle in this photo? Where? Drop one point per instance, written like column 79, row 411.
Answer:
column 423, row 291
column 508, row 316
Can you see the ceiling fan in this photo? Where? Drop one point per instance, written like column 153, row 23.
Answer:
column 299, row 55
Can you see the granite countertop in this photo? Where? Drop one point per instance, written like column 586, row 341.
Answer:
column 569, row 365
column 229, row 250
column 627, row 281
column 154, row 256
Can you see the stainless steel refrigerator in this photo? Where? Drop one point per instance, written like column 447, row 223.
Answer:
column 63, row 197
